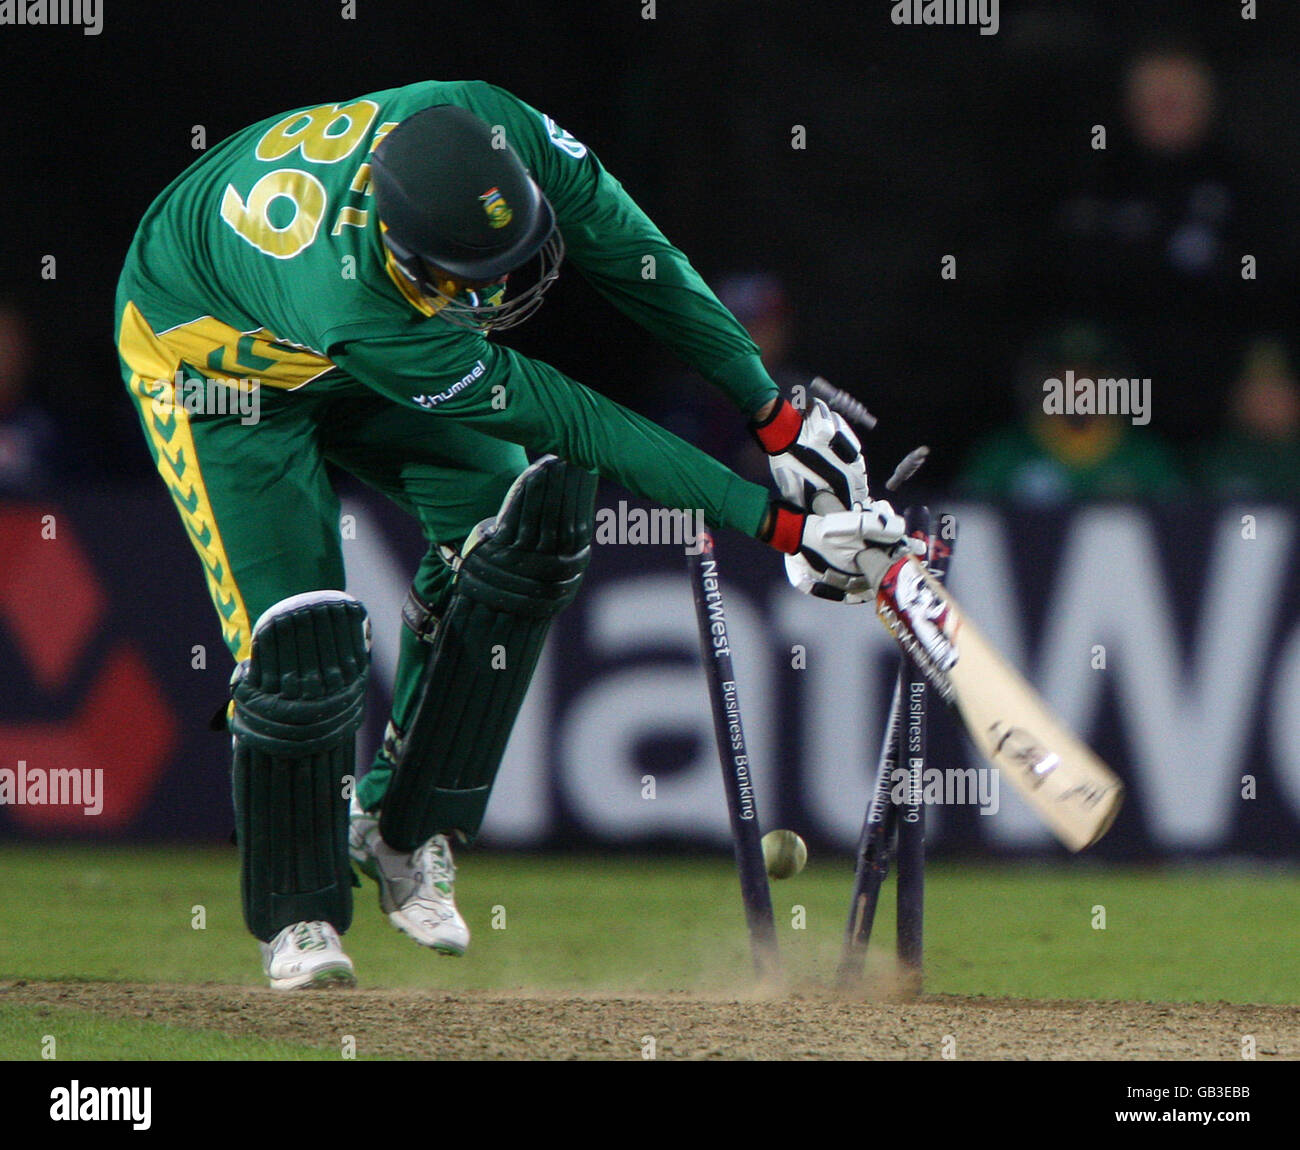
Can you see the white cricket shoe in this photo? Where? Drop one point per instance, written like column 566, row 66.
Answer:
column 416, row 890
column 306, row 955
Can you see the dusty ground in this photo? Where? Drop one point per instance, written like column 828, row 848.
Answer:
column 810, row 1025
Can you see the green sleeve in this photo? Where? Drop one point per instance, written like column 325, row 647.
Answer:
column 626, row 257
column 510, row 396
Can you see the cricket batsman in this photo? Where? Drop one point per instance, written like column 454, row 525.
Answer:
column 348, row 263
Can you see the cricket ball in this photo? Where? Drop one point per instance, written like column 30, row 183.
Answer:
column 784, row 853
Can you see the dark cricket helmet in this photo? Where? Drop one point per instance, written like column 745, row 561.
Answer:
column 456, row 202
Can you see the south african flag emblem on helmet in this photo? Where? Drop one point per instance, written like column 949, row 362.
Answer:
column 499, row 213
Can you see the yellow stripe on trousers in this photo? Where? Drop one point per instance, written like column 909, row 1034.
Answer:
column 153, row 385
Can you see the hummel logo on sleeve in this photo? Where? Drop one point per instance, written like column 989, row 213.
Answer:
column 430, row 401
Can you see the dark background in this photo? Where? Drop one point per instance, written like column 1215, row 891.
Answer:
column 921, row 142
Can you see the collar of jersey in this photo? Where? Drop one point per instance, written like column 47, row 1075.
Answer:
column 410, row 293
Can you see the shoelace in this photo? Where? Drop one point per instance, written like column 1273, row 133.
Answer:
column 434, row 860
column 309, row 936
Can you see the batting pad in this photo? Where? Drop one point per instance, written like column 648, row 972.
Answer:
column 298, row 703
column 517, row 573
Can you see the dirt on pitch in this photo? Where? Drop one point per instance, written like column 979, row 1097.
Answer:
column 813, row 1023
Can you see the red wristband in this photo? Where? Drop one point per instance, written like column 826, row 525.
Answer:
column 780, row 429
column 786, row 530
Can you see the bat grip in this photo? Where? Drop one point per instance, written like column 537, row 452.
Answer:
column 842, row 402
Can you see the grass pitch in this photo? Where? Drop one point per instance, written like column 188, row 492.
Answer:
column 644, row 925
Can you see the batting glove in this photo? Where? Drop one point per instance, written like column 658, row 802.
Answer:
column 841, row 556
column 816, row 460
column 826, row 583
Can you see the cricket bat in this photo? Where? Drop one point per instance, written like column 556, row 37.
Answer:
column 1068, row 786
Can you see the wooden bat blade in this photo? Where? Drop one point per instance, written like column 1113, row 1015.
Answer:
column 1066, row 784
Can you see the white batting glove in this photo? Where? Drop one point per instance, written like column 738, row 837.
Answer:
column 828, row 584
column 845, row 554
column 816, row 459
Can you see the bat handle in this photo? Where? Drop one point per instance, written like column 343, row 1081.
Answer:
column 857, row 414
column 842, row 402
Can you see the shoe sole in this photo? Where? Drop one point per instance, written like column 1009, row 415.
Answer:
column 447, row 948
column 368, row 867
column 331, row 978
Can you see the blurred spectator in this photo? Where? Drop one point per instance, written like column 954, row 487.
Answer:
column 760, row 302
column 1258, row 454
column 1049, row 459
column 689, row 407
column 1156, row 232
column 28, row 436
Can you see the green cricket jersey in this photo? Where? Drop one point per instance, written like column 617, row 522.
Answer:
column 264, row 261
